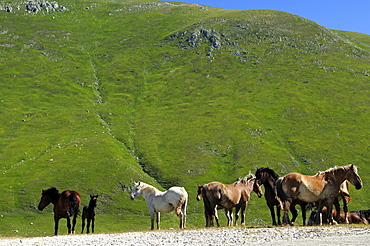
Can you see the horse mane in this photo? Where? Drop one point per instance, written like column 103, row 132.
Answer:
column 269, row 171
column 149, row 187
column 333, row 169
column 245, row 179
column 50, row 192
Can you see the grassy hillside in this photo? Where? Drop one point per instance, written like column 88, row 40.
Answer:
column 97, row 94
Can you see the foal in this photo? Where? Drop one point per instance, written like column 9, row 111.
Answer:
column 89, row 214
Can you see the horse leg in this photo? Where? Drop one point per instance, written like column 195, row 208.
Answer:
column 237, row 210
column 88, row 226
column 206, row 214
column 183, row 210
column 227, row 216
column 345, row 208
column 242, row 215
column 329, row 206
column 83, row 225
column 56, row 221
column 158, row 221
column 303, row 209
column 74, row 223
column 337, row 208
column 319, row 213
column 285, row 207
column 152, row 220
column 92, row 224
column 68, row 224
column 182, row 219
column 272, row 212
column 294, row 213
column 216, row 218
column 278, row 210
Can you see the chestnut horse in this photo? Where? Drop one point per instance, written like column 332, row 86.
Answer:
column 324, row 186
column 267, row 177
column 88, row 213
column 66, row 205
column 228, row 196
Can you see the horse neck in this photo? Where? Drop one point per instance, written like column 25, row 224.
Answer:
column 55, row 198
column 248, row 186
column 149, row 191
column 270, row 182
column 340, row 175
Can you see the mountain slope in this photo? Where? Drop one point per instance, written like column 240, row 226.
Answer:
column 103, row 93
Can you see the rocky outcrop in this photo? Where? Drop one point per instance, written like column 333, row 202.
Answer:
column 33, row 6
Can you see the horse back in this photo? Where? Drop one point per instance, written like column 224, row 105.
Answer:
column 304, row 187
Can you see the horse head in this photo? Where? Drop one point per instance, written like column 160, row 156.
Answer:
column 136, row 191
column 48, row 196
column 199, row 193
column 257, row 188
column 93, row 200
column 353, row 177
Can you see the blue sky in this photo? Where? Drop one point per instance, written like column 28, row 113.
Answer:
column 345, row 15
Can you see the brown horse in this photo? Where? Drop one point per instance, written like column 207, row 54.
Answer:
column 324, row 186
column 88, row 213
column 66, row 205
column 344, row 196
column 353, row 217
column 228, row 196
column 200, row 196
column 267, row 177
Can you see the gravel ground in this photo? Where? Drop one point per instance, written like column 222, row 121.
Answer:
column 333, row 235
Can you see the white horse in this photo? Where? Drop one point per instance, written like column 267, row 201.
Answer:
column 174, row 199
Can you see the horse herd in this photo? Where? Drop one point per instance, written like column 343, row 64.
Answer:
column 326, row 188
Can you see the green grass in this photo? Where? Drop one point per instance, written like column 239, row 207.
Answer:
column 111, row 92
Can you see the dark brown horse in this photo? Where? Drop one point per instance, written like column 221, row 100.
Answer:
column 267, row 177
column 228, row 196
column 66, row 205
column 324, row 186
column 200, row 196
column 88, row 213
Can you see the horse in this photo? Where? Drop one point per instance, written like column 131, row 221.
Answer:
column 345, row 197
column 174, row 199
column 66, row 205
column 228, row 196
column 267, row 177
column 324, row 186
column 88, row 213
column 200, row 196
column 353, row 217
column 364, row 215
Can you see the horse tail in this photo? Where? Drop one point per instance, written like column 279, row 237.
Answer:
column 74, row 206
column 280, row 194
column 207, row 206
column 182, row 201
